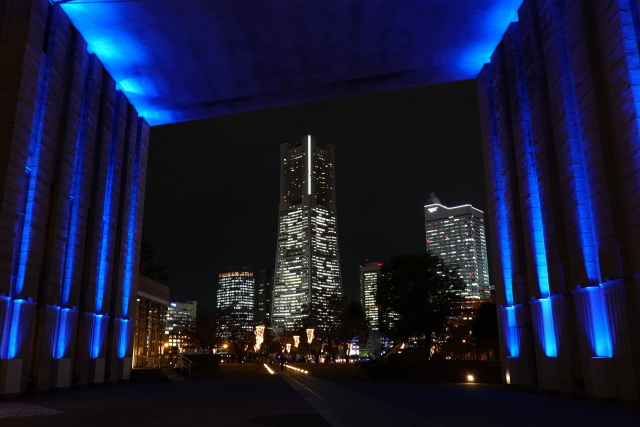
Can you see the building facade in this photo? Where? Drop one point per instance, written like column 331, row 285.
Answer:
column 236, row 294
column 457, row 236
column 72, row 172
column 181, row 321
column 370, row 276
column 151, row 317
column 307, row 270
column 561, row 136
column 264, row 296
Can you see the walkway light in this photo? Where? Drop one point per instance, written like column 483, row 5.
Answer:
column 309, row 335
column 296, row 340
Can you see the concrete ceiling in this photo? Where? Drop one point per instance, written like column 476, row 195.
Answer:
column 180, row 60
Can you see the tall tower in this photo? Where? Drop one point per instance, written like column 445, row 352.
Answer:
column 307, row 264
column 457, row 236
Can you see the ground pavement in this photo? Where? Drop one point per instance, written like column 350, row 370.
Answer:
column 251, row 396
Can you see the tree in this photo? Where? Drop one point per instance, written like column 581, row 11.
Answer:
column 205, row 333
column 485, row 331
column 353, row 323
column 422, row 292
column 148, row 267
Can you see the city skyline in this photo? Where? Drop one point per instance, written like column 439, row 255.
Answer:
column 392, row 150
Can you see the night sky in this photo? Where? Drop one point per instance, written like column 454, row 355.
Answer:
column 212, row 185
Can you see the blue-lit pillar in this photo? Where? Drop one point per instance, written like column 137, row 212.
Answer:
column 70, row 244
column 565, row 80
column 500, row 220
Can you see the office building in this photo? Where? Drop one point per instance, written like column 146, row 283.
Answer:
column 307, row 271
column 370, row 275
column 264, row 296
column 457, row 236
column 236, row 295
column 151, row 317
column 181, row 321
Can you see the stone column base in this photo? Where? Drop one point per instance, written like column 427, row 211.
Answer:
column 10, row 376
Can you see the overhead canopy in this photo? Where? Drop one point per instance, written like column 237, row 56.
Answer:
column 180, row 60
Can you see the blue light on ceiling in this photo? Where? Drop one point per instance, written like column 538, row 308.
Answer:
column 134, row 41
column 496, row 18
column 120, row 52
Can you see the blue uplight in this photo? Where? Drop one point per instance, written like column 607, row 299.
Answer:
column 123, row 344
column 513, row 341
column 548, row 329
column 534, row 207
column 12, row 339
column 502, row 212
column 63, row 339
column 76, row 193
column 131, row 226
column 105, row 231
column 600, row 335
column 97, row 335
column 32, row 168
column 583, row 212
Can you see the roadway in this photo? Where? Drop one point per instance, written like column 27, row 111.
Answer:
column 254, row 397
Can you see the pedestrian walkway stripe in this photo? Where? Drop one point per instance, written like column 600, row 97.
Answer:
column 18, row 409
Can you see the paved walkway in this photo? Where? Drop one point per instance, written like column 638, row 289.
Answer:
column 255, row 397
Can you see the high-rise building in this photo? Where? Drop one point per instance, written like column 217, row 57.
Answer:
column 370, row 275
column 457, row 236
column 307, row 271
column 264, row 295
column 236, row 292
column 181, row 320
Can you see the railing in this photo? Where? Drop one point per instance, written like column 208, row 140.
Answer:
column 155, row 361
column 184, row 363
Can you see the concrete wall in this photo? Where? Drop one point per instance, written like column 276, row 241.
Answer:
column 73, row 158
column 560, row 103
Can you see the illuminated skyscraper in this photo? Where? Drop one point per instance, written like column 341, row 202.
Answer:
column 457, row 236
column 307, row 263
column 264, row 295
column 181, row 321
column 236, row 292
column 370, row 275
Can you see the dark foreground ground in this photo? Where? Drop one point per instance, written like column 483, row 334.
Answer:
column 247, row 395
